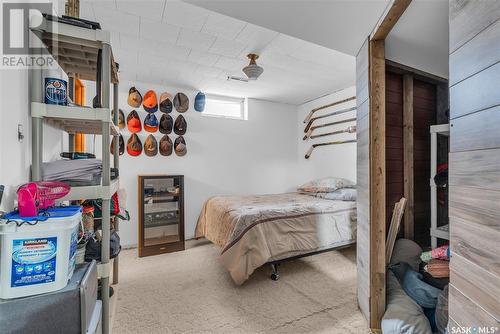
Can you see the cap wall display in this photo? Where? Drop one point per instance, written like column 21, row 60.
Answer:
column 151, row 146
column 180, row 146
column 134, row 145
column 134, row 98
column 166, row 103
column 121, row 145
column 180, row 125
column 166, row 124
column 134, row 122
column 199, row 102
column 181, row 102
column 166, row 146
column 151, row 123
column 150, row 103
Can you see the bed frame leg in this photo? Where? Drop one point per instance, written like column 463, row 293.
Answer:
column 274, row 275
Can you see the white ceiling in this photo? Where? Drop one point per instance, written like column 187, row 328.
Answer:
column 420, row 37
column 336, row 24
column 178, row 44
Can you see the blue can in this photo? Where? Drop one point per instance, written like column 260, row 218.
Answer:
column 56, row 91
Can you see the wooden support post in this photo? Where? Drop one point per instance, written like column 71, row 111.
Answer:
column 408, row 155
column 377, row 181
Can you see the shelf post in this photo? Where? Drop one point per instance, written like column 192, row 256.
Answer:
column 116, row 164
column 105, row 99
column 37, row 89
column 433, row 188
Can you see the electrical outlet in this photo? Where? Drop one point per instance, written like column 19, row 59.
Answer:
column 20, row 133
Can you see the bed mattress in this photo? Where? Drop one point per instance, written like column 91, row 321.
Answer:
column 253, row 230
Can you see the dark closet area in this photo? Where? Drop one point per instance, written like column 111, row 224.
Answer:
column 429, row 107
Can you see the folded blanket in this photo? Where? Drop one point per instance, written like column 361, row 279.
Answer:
column 438, row 268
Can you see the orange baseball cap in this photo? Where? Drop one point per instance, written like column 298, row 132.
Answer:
column 150, row 101
column 134, row 145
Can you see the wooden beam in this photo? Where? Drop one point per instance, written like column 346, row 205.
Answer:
column 377, row 181
column 392, row 13
column 408, row 155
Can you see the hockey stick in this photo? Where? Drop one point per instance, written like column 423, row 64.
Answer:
column 327, row 115
column 309, row 152
column 308, row 117
column 310, row 131
column 350, row 129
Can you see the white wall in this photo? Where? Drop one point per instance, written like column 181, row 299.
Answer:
column 333, row 160
column 224, row 157
column 420, row 37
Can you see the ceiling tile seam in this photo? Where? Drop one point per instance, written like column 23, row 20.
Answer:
column 241, row 30
column 163, row 11
column 205, row 23
column 271, row 41
column 139, row 33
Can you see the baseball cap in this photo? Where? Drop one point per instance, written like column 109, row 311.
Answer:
column 180, row 146
column 151, row 123
column 134, row 98
column 166, row 124
column 199, row 102
column 180, row 125
column 134, row 122
column 121, row 145
column 151, row 146
column 181, row 102
column 150, row 102
column 121, row 118
column 134, row 145
column 166, row 102
column 166, row 145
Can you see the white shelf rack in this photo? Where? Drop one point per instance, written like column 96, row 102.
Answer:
column 80, row 193
column 76, row 49
column 441, row 232
column 73, row 119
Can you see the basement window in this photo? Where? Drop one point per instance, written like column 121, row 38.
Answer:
column 226, row 107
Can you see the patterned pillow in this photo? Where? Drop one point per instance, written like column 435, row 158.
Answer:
column 345, row 194
column 326, row 185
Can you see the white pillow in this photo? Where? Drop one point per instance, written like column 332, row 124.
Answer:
column 345, row 194
column 326, row 185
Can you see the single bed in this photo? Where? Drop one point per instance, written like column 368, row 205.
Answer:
column 255, row 230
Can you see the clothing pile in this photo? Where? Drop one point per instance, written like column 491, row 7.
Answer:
column 428, row 286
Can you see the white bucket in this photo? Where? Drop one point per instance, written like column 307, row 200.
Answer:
column 38, row 258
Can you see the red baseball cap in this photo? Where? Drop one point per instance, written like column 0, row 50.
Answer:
column 134, row 122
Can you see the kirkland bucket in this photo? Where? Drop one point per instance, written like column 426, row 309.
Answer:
column 38, row 254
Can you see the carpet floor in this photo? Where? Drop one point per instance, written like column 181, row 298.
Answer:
column 190, row 292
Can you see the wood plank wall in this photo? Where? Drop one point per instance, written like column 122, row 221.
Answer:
column 474, row 162
column 394, row 142
column 363, row 181
column 424, row 115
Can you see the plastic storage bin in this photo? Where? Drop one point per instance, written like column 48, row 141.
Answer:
column 38, row 256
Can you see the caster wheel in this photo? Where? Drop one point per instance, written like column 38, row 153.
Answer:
column 275, row 277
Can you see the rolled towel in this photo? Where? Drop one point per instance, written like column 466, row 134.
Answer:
column 440, row 253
